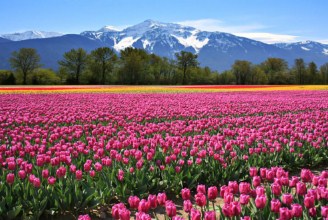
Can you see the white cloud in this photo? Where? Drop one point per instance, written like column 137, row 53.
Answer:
column 269, row 37
column 218, row 25
column 253, row 31
column 323, row 41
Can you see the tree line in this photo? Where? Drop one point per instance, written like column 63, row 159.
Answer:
column 137, row 67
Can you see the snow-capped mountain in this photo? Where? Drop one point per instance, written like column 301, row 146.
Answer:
column 216, row 50
column 305, row 46
column 27, row 35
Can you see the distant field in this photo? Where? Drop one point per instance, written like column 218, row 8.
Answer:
column 155, row 89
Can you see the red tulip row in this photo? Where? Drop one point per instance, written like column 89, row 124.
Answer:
column 272, row 194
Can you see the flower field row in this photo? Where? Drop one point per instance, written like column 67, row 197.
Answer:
column 272, row 194
column 73, row 153
column 153, row 89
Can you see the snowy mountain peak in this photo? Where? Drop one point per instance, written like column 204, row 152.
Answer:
column 30, row 35
column 108, row 28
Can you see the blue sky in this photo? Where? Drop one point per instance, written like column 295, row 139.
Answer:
column 266, row 20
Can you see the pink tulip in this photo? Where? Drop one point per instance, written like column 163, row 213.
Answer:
column 201, row 189
column 195, row 214
column 116, row 210
column 275, row 205
column 51, row 180
column 297, row 210
column 309, row 201
column 22, row 174
column 256, row 181
column 306, row 175
column 124, row 214
column 170, row 208
column 244, row 188
column 253, row 171
column 185, row 193
column 212, row 193
column 78, row 174
column 244, row 199
column 324, row 211
column 187, row 206
column 285, row 214
column 260, row 201
column 233, row 185
column 313, row 212
column 10, row 178
column 36, row 182
column 200, row 199
column 142, row 216
column 84, row 217
column 133, row 202
column 161, row 198
column 152, row 199
column 287, row 198
column 235, row 208
column 300, row 188
column 226, row 210
column 143, row 206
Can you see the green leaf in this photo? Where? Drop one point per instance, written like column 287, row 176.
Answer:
column 14, row 212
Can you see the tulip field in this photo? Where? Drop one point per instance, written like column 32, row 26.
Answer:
column 165, row 152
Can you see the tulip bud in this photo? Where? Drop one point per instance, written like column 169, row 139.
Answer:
column 287, row 198
column 309, row 201
column 285, row 214
column 300, row 188
column 10, row 178
column 133, row 202
column 297, row 210
column 195, row 214
column 185, row 193
column 324, row 211
column 152, row 199
column 275, row 205
column 143, row 206
column 244, row 199
column 187, row 206
column 244, row 188
column 200, row 199
column 124, row 214
column 212, row 193
column 260, row 201
column 253, row 171
column 201, row 189
column 161, row 198
column 170, row 208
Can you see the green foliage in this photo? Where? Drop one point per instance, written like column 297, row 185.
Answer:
column 101, row 64
column 185, row 61
column 137, row 67
column 7, row 77
column 299, row 68
column 324, row 74
column 133, row 65
column 44, row 77
column 25, row 61
column 75, row 62
column 242, row 71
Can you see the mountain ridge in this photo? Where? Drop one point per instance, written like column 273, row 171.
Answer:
column 218, row 50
